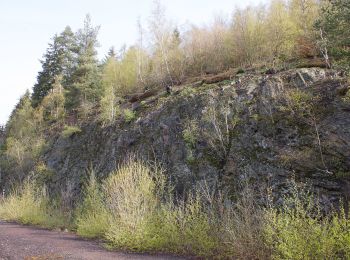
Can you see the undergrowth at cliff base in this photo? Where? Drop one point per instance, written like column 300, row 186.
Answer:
column 133, row 209
column 30, row 204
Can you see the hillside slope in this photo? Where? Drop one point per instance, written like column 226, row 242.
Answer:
column 263, row 128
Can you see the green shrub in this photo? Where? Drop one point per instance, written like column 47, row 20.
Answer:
column 190, row 133
column 187, row 228
column 188, row 91
column 300, row 231
column 190, row 136
column 132, row 195
column 134, row 209
column 141, row 216
column 42, row 174
column 243, row 228
column 92, row 216
column 129, row 115
column 299, row 102
column 69, row 131
column 294, row 235
column 31, row 205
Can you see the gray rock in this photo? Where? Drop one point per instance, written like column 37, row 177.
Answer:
column 268, row 143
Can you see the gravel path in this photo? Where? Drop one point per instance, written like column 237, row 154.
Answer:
column 23, row 242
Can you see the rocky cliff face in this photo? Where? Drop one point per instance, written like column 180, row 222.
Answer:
column 256, row 127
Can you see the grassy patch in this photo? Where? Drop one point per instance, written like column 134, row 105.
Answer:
column 133, row 194
column 299, row 230
column 129, row 115
column 185, row 227
column 69, row 131
column 31, row 205
column 141, row 215
column 91, row 215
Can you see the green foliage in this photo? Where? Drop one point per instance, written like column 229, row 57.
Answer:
column 132, row 195
column 85, row 87
column 58, row 60
column 186, row 228
column 242, row 225
column 129, row 115
column 119, row 78
column 188, row 91
column 281, row 31
column 31, row 205
column 92, row 216
column 143, row 217
column 300, row 231
column 300, row 103
column 134, row 210
column 168, row 58
column 190, row 133
column 24, row 141
column 109, row 108
column 53, row 103
column 299, row 98
column 18, row 125
column 42, row 173
column 128, row 73
column 69, row 131
column 190, row 136
column 334, row 22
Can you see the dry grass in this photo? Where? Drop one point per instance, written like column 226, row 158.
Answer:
column 31, row 205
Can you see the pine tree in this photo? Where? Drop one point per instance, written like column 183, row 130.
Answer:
column 85, row 89
column 58, row 60
column 68, row 41
column 111, row 54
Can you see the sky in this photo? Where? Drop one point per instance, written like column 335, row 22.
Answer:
column 26, row 27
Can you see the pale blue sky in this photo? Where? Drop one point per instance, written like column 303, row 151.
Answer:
column 26, row 27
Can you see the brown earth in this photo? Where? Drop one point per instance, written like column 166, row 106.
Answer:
column 29, row 243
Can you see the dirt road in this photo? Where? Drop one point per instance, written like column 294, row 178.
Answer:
column 22, row 242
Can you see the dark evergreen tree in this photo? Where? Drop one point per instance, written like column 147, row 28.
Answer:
column 58, row 60
column 85, row 80
column 69, row 46
column 111, row 54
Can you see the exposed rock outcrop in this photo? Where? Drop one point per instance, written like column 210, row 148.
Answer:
column 265, row 128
